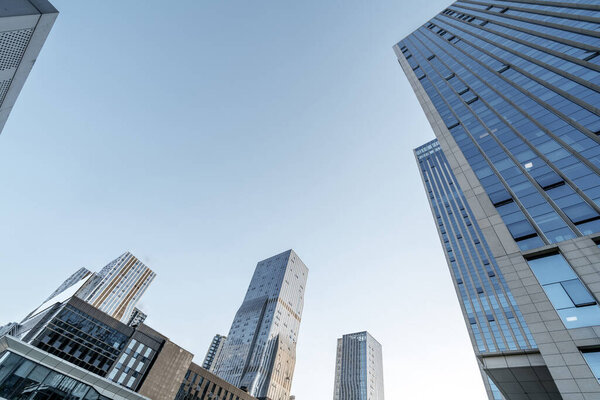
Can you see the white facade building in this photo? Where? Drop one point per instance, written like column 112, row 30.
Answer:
column 118, row 287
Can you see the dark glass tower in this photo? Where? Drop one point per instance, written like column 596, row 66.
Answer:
column 512, row 90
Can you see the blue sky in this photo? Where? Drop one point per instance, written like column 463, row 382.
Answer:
column 205, row 136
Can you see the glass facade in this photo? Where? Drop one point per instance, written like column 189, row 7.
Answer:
column 22, row 379
column 518, row 86
column 260, row 351
column 592, row 358
column 514, row 88
column 571, row 299
column 359, row 368
column 493, row 317
column 82, row 340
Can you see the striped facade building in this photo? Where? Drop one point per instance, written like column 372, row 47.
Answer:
column 494, row 321
column 359, row 368
column 118, row 287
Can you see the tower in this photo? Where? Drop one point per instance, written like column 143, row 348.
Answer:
column 359, row 368
column 118, row 287
column 511, row 91
column 212, row 355
column 259, row 354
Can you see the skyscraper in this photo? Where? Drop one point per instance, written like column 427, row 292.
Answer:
column 214, row 350
column 259, row 354
column 494, row 321
column 511, row 90
column 118, row 287
column 358, row 368
column 24, row 27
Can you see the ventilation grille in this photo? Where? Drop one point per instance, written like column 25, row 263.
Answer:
column 12, row 47
column 4, row 85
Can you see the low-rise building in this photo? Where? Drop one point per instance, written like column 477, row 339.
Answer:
column 200, row 384
column 28, row 372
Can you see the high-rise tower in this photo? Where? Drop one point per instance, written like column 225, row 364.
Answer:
column 511, row 90
column 259, row 354
column 358, row 368
column 118, row 287
column 214, row 350
column 24, row 27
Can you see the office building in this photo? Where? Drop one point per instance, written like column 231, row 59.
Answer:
column 118, row 287
column 493, row 318
column 200, row 384
column 68, row 348
column 358, row 368
column 137, row 358
column 27, row 372
column 213, row 352
column 115, row 290
column 259, row 354
column 511, row 91
column 24, row 27
column 81, row 334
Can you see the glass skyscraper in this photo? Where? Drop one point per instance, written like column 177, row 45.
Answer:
column 512, row 90
column 259, row 354
column 358, row 368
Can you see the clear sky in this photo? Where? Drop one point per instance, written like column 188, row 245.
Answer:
column 205, row 136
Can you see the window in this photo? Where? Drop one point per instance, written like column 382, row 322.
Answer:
column 21, row 378
column 592, row 358
column 572, row 301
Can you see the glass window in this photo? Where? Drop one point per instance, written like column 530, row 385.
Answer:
column 573, row 302
column 8, row 362
column 578, row 293
column 551, row 269
column 25, row 379
column 18, row 378
column 592, row 358
column 580, row 317
column 79, row 392
column 558, row 296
